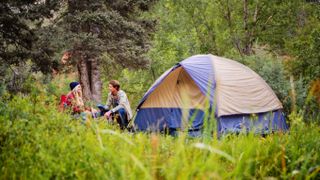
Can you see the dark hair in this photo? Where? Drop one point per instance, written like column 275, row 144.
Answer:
column 115, row 84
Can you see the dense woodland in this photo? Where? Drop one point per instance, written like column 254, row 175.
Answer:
column 46, row 44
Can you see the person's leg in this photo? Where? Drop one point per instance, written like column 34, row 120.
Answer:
column 123, row 121
column 103, row 111
column 94, row 113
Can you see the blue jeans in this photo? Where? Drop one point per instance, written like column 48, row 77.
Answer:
column 122, row 119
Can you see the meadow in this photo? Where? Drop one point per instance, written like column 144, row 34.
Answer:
column 39, row 142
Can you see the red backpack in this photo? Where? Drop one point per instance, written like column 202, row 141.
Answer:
column 63, row 102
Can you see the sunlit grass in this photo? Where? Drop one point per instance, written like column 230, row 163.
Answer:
column 37, row 141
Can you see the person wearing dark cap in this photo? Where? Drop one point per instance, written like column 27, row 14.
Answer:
column 74, row 98
column 118, row 103
column 74, row 101
column 73, row 85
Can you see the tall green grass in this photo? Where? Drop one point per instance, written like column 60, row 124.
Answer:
column 38, row 142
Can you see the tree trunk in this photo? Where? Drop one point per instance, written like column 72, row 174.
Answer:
column 96, row 84
column 88, row 65
column 247, row 41
column 293, row 94
column 227, row 15
column 84, row 78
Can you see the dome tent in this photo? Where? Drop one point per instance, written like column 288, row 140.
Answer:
column 201, row 82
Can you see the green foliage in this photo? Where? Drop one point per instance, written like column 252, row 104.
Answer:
column 17, row 78
column 181, row 32
column 219, row 27
column 18, row 23
column 305, row 48
column 36, row 141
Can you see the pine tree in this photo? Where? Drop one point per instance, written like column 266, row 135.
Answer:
column 92, row 28
column 18, row 21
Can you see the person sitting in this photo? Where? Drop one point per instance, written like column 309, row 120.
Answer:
column 74, row 100
column 117, row 105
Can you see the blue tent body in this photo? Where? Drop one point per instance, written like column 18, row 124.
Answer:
column 203, row 86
